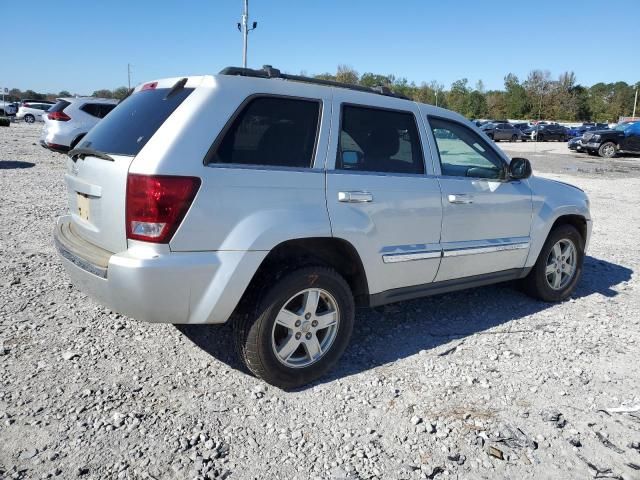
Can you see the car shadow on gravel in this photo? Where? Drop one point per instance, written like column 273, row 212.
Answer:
column 11, row 164
column 387, row 334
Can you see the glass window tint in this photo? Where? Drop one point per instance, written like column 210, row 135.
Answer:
column 463, row 153
column 375, row 140
column 133, row 121
column 98, row 110
column 272, row 131
column 90, row 108
column 60, row 106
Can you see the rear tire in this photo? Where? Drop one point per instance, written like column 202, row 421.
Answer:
column 514, row 138
column 28, row 118
column 554, row 279
column 607, row 150
column 281, row 337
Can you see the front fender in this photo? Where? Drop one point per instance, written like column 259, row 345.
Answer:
column 552, row 200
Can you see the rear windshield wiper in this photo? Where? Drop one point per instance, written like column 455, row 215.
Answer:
column 179, row 85
column 83, row 152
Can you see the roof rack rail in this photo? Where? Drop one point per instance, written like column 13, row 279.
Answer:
column 268, row 71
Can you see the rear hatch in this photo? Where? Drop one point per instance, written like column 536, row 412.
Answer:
column 97, row 168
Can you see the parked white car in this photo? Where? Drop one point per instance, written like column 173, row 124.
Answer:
column 7, row 109
column 32, row 112
column 70, row 119
column 282, row 203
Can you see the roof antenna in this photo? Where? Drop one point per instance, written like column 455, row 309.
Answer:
column 243, row 26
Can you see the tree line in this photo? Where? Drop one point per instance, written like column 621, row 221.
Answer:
column 15, row 94
column 539, row 96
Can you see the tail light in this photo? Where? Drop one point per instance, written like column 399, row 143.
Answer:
column 60, row 116
column 156, row 205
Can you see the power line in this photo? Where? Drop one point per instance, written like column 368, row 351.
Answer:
column 243, row 26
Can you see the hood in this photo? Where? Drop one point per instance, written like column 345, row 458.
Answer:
column 603, row 131
column 563, row 183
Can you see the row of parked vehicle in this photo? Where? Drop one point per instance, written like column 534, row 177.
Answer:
column 608, row 142
column 66, row 121
column 540, row 131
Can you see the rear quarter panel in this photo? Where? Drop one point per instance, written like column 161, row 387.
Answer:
column 239, row 207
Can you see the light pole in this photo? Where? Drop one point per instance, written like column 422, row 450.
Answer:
column 129, row 74
column 243, row 26
column 635, row 101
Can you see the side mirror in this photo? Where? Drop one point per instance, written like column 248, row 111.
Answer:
column 350, row 159
column 519, row 168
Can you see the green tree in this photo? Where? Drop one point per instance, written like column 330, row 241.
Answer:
column 120, row 93
column 515, row 98
column 458, row 96
column 346, row 74
column 64, row 93
column 104, row 93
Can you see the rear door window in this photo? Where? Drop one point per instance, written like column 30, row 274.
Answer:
column 272, row 131
column 377, row 140
column 133, row 122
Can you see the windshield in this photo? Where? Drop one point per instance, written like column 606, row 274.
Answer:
column 130, row 125
column 623, row 126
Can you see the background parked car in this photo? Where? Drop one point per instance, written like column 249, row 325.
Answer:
column 502, row 131
column 522, row 126
column 70, row 119
column 8, row 109
column 548, row 131
column 624, row 138
column 32, row 111
column 575, row 144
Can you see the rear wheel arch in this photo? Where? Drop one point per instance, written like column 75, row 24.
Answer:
column 289, row 255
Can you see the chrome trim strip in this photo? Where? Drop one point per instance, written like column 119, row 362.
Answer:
column 492, row 249
column 409, row 257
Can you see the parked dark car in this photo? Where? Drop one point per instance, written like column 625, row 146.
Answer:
column 624, row 138
column 575, row 144
column 502, row 131
column 522, row 126
column 547, row 131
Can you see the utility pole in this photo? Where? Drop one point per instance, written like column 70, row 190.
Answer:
column 243, row 26
column 634, row 103
column 129, row 75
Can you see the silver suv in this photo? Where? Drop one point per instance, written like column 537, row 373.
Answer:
column 283, row 203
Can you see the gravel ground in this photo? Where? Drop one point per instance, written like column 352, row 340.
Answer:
column 483, row 384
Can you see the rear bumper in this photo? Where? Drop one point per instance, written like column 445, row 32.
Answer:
column 154, row 284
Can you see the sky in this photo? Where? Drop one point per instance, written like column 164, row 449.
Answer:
column 85, row 45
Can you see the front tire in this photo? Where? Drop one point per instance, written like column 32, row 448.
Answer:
column 559, row 266
column 514, row 138
column 299, row 328
column 29, row 118
column 607, row 150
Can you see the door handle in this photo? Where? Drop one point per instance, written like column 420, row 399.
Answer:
column 460, row 198
column 355, row 197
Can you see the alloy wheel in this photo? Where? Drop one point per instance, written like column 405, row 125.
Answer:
column 561, row 264
column 305, row 328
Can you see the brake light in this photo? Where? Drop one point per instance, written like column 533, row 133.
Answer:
column 149, row 86
column 156, row 205
column 60, row 116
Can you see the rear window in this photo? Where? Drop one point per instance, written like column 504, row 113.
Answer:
column 60, row 106
column 133, row 122
column 98, row 110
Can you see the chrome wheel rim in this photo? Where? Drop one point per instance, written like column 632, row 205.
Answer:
column 561, row 264
column 608, row 150
column 305, row 328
